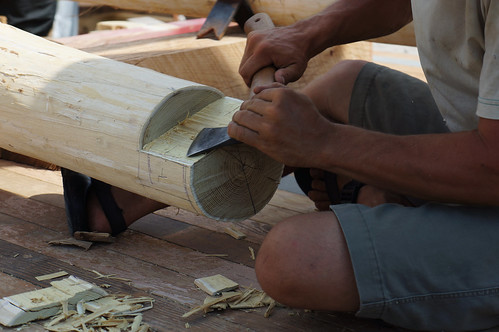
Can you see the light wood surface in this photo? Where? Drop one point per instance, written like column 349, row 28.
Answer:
column 161, row 255
column 211, row 62
column 99, row 117
column 281, row 12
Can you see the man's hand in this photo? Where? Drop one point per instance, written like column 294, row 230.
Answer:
column 283, row 124
column 278, row 47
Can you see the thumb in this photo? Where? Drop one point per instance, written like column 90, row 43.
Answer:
column 288, row 74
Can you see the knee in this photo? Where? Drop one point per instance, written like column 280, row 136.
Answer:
column 332, row 92
column 304, row 263
column 274, row 267
column 349, row 66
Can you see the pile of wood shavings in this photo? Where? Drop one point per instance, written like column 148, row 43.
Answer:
column 248, row 299
column 112, row 313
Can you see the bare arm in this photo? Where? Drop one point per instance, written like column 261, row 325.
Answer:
column 454, row 168
column 289, row 48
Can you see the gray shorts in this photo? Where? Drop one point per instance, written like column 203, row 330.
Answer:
column 431, row 267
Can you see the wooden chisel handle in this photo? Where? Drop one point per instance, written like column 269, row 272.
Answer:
column 264, row 76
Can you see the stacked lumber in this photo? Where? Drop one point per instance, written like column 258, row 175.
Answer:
column 281, row 12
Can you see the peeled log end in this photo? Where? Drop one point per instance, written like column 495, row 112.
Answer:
column 235, row 182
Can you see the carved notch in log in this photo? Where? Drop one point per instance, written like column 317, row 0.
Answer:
column 128, row 126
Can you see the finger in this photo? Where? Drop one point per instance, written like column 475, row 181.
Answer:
column 288, row 74
column 242, row 134
column 255, row 105
column 248, row 119
column 250, row 66
column 261, row 88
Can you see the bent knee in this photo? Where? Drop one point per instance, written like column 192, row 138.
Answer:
column 304, row 263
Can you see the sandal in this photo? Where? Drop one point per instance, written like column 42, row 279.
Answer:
column 348, row 194
column 76, row 188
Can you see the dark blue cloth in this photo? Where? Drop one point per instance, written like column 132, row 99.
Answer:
column 35, row 16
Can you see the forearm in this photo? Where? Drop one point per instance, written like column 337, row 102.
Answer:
column 451, row 168
column 347, row 21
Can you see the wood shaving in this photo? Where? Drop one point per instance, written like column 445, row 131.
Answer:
column 236, row 234
column 51, row 276
column 71, row 241
column 109, row 276
column 252, row 253
column 94, row 237
column 248, row 299
column 120, row 313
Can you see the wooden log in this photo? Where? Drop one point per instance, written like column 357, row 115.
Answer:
column 128, row 126
column 281, row 12
column 216, row 62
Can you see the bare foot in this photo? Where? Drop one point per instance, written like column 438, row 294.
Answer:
column 368, row 195
column 372, row 196
column 133, row 206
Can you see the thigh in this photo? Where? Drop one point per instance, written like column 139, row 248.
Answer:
column 433, row 267
column 392, row 102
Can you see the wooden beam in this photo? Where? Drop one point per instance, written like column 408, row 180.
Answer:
column 281, row 12
column 128, row 126
column 101, row 38
column 211, row 62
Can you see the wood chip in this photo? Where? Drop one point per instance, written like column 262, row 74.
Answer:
column 203, row 307
column 110, row 276
column 215, row 284
column 269, row 309
column 252, row 253
column 94, row 237
column 52, row 275
column 250, row 299
column 72, row 242
column 46, row 302
column 236, row 234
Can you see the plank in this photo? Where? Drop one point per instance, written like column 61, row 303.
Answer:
column 51, row 176
column 155, row 266
column 101, row 38
column 165, row 313
column 12, row 285
column 31, row 262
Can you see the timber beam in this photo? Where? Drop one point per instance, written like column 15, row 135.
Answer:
column 282, row 12
column 128, row 126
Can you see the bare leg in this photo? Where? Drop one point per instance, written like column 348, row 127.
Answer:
column 334, row 102
column 332, row 92
column 134, row 207
column 304, row 263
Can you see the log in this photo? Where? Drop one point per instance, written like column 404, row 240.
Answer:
column 128, row 126
column 281, row 12
column 216, row 62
